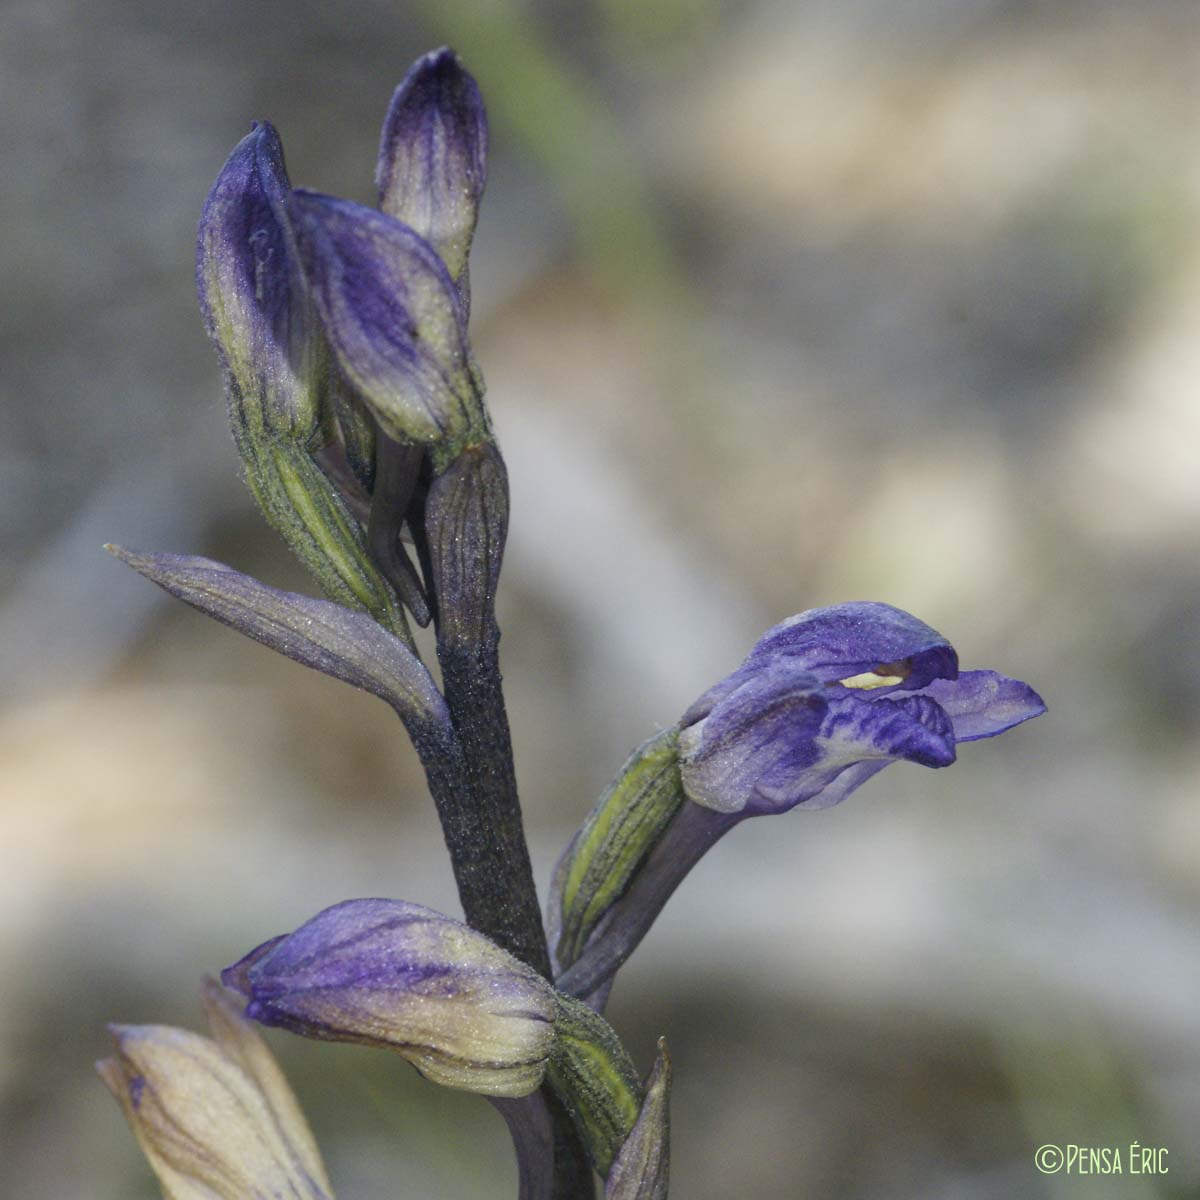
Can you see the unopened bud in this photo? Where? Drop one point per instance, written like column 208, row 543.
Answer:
column 465, row 526
column 259, row 313
column 394, row 320
column 387, row 973
column 215, row 1118
column 255, row 304
column 433, row 156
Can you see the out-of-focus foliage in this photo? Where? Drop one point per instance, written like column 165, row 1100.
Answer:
column 780, row 304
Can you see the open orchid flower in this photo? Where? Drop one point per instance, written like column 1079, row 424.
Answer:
column 837, row 691
column 824, row 701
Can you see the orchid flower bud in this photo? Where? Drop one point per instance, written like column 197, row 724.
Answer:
column 214, row 1116
column 394, row 320
column 465, row 528
column 433, row 156
column 255, row 305
column 391, row 974
column 259, row 313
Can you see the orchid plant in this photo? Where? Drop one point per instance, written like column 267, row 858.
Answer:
column 358, row 411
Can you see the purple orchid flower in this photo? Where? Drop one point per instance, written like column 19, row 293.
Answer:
column 342, row 331
column 391, row 285
column 391, row 974
column 824, row 701
column 830, row 697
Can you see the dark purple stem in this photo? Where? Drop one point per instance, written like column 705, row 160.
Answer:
column 532, row 1130
column 460, row 531
column 474, row 836
column 460, row 538
column 471, row 680
column 548, row 1167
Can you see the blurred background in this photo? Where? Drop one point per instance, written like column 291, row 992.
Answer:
column 781, row 303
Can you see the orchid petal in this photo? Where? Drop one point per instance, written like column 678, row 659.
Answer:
column 215, row 1118
column 253, row 298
